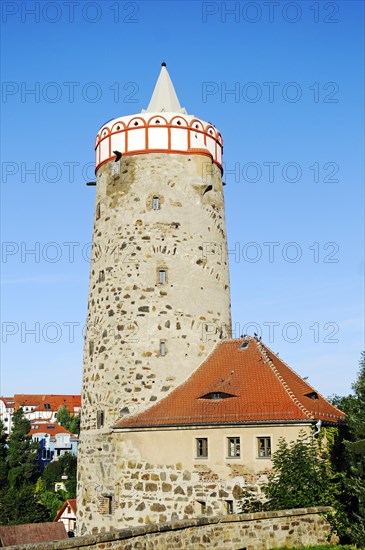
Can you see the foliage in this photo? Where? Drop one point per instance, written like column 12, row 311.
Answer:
column 51, row 500
column 22, row 453
column 68, row 421
column 53, row 472
column 3, row 454
column 26, row 496
column 19, row 505
column 251, row 502
column 302, row 475
column 349, row 460
column 319, row 547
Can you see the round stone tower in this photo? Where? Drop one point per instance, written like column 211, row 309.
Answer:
column 159, row 296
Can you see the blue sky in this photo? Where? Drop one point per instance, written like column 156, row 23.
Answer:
column 282, row 81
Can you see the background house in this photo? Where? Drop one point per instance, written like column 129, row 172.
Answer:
column 37, row 407
column 67, row 515
column 54, row 441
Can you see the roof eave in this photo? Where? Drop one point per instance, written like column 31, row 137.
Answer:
column 225, row 424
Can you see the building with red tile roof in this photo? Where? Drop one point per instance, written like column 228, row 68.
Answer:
column 67, row 515
column 53, row 440
column 37, row 406
column 215, row 434
column 241, row 382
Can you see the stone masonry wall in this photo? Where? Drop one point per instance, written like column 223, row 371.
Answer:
column 130, row 311
column 132, row 491
column 259, row 531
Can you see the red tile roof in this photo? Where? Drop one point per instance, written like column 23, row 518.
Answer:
column 262, row 389
column 31, row 532
column 70, row 502
column 54, row 401
column 44, row 427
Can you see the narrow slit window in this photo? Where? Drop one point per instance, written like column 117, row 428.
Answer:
column 98, row 210
column 162, row 276
column 162, row 348
column 91, row 347
column 229, row 506
column 155, row 203
column 100, row 419
column 109, row 504
column 115, row 168
column 101, row 276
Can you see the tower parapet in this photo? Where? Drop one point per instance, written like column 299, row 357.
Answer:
column 158, row 133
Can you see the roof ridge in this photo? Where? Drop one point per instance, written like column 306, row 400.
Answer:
column 292, row 396
column 305, row 382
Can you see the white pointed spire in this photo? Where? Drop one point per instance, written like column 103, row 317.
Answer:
column 164, row 98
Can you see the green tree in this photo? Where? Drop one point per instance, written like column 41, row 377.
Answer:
column 22, row 453
column 53, row 472
column 302, row 475
column 3, row 454
column 349, row 460
column 50, row 500
column 68, row 421
column 19, row 505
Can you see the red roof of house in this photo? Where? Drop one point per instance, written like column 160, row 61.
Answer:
column 53, row 402
column 253, row 385
column 8, row 401
column 44, row 427
column 69, row 502
column 31, row 532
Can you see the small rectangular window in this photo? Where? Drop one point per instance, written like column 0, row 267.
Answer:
column 115, row 168
column 234, row 447
column 155, row 203
column 91, row 347
column 202, row 507
column 97, row 214
column 162, row 276
column 110, row 504
column 202, row 447
column 101, row 276
column 162, row 348
column 264, row 447
column 100, row 419
column 229, row 506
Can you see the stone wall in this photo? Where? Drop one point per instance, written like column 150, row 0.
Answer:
column 264, row 530
column 131, row 313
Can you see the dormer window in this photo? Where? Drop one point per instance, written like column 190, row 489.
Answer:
column 244, row 345
column 216, row 395
column 312, row 395
column 155, row 203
